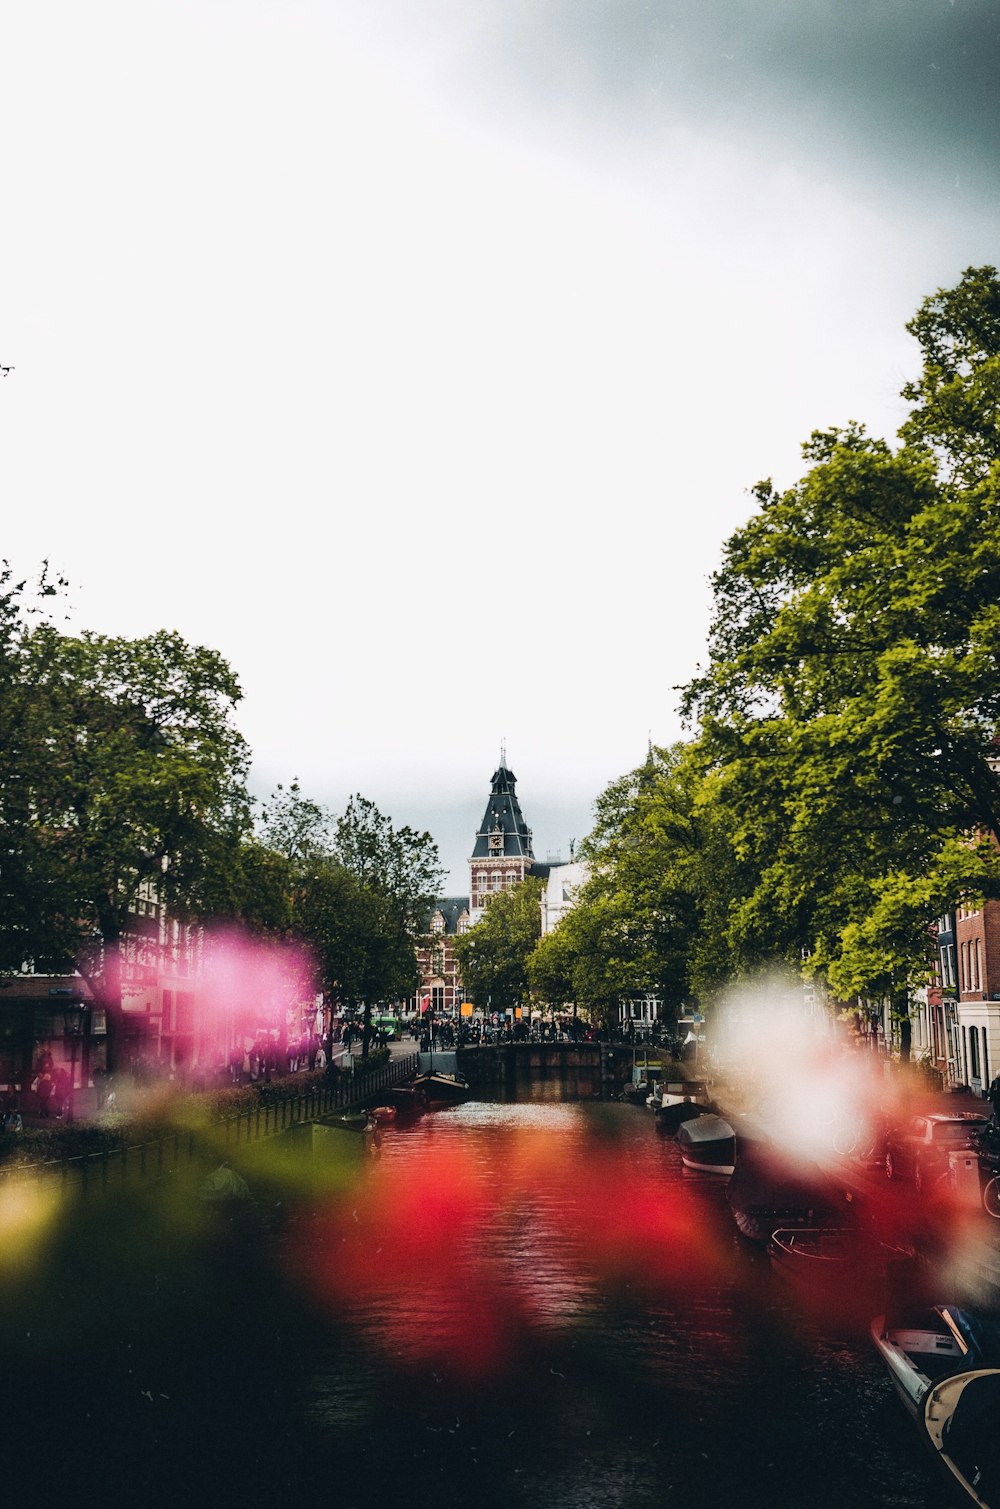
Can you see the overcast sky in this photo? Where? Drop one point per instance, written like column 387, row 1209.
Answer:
column 419, row 354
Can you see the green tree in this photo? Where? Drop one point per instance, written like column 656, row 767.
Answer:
column 657, row 857
column 493, row 956
column 852, row 695
column 133, row 774
column 399, row 873
column 355, row 889
column 296, row 827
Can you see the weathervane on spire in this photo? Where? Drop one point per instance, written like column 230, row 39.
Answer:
column 503, row 753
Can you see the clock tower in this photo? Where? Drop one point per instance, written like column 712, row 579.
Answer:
column 502, row 855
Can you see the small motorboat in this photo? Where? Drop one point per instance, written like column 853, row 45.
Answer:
column 839, row 1275
column 922, row 1349
column 646, row 1083
column 708, row 1143
column 438, row 1088
column 769, row 1190
column 405, row 1100
column 959, row 1415
column 681, row 1100
column 351, row 1121
column 383, row 1115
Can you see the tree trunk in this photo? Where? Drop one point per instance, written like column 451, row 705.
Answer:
column 905, row 1026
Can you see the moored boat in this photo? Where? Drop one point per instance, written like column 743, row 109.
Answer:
column 351, row 1121
column 959, row 1415
column 769, row 1190
column 681, row 1100
column 838, row 1275
column 405, row 1100
column 438, row 1088
column 707, row 1143
column 922, row 1349
column 672, row 1112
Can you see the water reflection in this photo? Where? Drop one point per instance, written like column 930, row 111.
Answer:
column 516, row 1304
column 552, row 1309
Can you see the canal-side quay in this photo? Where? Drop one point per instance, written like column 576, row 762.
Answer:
column 196, row 1141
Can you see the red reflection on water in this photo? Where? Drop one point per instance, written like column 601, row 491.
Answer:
column 637, row 1228
column 425, row 1247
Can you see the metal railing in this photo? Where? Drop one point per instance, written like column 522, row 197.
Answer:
column 113, row 1168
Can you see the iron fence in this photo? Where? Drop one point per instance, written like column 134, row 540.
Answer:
column 161, row 1156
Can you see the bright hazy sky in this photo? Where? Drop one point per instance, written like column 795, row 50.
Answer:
column 418, row 354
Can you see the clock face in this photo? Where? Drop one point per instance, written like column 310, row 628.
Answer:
column 496, row 840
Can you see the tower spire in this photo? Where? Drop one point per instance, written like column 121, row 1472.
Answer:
column 503, row 752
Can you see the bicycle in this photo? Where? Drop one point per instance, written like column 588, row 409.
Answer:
column 988, row 1152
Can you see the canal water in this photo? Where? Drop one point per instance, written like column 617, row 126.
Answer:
column 514, row 1304
column 542, row 1306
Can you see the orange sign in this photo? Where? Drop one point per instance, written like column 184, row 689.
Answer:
column 466, row 1008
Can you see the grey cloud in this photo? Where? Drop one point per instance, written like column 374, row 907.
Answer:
column 907, row 88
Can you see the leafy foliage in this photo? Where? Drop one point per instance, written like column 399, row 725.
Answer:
column 658, row 867
column 126, row 770
column 852, row 696
column 354, row 888
column 493, row 955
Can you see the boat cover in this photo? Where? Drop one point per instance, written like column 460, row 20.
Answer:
column 980, row 1333
column 706, row 1129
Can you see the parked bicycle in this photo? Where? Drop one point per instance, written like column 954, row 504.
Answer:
column 988, row 1149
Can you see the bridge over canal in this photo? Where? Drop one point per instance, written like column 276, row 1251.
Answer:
column 580, row 1070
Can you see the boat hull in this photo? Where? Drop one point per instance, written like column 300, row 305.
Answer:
column 707, row 1144
column 958, row 1415
column 441, row 1089
column 769, row 1192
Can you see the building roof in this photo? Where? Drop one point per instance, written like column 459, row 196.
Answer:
column 451, row 909
column 503, row 817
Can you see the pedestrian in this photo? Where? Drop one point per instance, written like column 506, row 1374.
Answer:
column 993, row 1094
column 99, row 1076
column 60, row 1091
column 44, row 1089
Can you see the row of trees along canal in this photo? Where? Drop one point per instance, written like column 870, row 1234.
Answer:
column 121, row 767
column 840, row 791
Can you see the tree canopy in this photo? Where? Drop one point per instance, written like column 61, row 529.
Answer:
column 656, row 867
column 493, row 955
column 852, row 696
column 355, row 888
column 126, row 770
